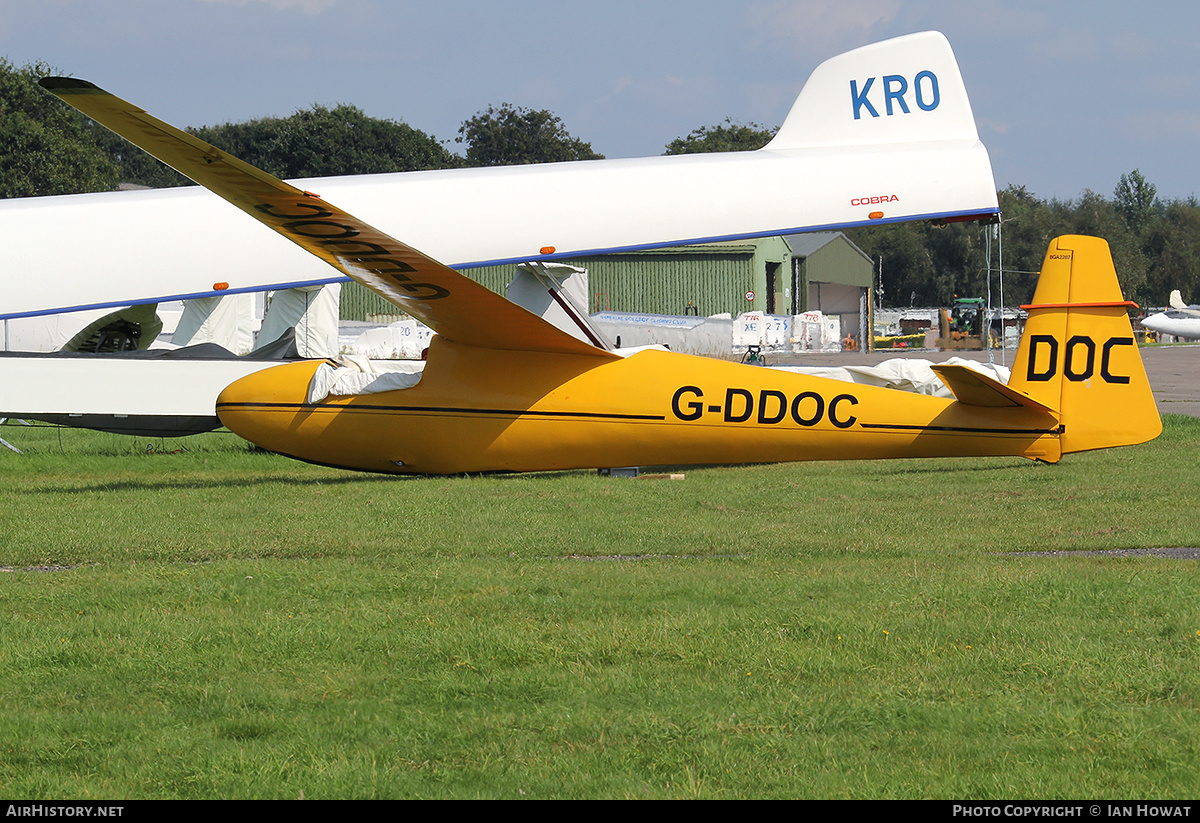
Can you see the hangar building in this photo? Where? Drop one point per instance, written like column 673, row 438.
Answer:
column 786, row 275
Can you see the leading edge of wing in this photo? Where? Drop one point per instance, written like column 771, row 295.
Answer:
column 454, row 306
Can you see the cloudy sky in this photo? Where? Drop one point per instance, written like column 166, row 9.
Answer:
column 1067, row 94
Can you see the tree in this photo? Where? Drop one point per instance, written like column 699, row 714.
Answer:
column 322, row 142
column 926, row 264
column 48, row 147
column 728, row 136
column 1029, row 224
column 511, row 136
column 1173, row 248
column 1093, row 215
column 135, row 166
column 908, row 271
column 1135, row 201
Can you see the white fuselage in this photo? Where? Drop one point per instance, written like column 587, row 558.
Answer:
column 111, row 249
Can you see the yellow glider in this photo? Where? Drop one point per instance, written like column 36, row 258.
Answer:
column 504, row 390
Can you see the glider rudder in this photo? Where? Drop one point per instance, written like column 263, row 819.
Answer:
column 1078, row 354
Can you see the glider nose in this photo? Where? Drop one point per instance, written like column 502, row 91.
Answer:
column 268, row 407
column 271, row 409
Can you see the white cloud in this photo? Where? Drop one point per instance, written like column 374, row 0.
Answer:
column 826, row 23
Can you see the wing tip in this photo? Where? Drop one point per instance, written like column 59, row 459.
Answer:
column 68, row 85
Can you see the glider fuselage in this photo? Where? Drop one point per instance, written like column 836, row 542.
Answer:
column 478, row 410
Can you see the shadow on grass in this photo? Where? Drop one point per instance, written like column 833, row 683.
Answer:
column 247, row 481
column 892, row 470
column 194, row 484
column 879, row 469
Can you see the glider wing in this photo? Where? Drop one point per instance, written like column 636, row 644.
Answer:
column 454, row 306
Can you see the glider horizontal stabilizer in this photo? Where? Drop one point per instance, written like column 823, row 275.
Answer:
column 973, row 388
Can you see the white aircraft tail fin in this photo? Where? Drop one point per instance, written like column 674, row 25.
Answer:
column 1176, row 300
column 904, row 90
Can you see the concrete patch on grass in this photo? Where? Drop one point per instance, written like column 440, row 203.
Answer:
column 655, row 556
column 1181, row 553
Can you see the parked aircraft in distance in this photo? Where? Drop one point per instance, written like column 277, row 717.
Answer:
column 504, row 390
column 1181, row 320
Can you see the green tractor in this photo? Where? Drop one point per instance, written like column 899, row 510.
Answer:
column 961, row 326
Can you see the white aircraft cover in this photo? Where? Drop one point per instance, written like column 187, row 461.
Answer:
column 227, row 320
column 313, row 311
column 557, row 293
column 902, row 373
column 353, row 374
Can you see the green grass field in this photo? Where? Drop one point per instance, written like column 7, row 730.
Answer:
column 216, row 622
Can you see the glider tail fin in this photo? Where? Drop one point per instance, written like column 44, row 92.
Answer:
column 1078, row 354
